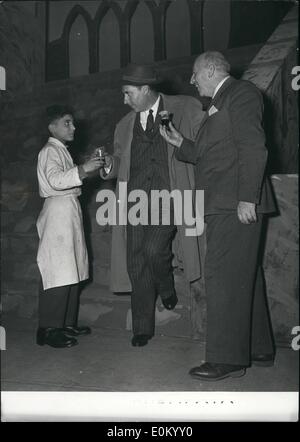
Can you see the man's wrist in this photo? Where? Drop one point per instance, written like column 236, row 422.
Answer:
column 180, row 141
column 108, row 168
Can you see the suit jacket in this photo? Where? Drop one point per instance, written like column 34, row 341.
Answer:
column 187, row 116
column 230, row 155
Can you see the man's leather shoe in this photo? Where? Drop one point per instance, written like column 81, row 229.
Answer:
column 263, row 360
column 170, row 302
column 54, row 337
column 140, row 340
column 215, row 372
column 77, row 331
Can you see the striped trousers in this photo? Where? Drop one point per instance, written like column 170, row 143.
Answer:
column 149, row 261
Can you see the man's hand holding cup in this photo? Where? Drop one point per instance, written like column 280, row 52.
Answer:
column 170, row 134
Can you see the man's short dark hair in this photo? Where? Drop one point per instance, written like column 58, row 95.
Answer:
column 57, row 111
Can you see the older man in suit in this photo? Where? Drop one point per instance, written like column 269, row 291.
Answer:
column 230, row 160
column 141, row 260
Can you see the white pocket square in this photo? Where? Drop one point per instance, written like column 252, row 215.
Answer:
column 212, row 110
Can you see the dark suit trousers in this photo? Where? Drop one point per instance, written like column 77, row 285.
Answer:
column 149, row 263
column 58, row 306
column 238, row 323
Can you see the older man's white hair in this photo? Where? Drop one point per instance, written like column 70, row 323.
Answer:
column 215, row 58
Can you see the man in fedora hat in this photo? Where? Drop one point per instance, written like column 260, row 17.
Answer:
column 141, row 261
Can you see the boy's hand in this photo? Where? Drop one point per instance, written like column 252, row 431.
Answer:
column 92, row 164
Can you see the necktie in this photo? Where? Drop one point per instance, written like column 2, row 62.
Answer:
column 150, row 121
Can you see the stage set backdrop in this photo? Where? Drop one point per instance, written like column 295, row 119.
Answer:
column 73, row 52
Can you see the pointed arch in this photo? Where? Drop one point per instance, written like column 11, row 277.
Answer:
column 142, row 35
column 108, row 42
column 178, row 18
column 78, row 46
column 107, row 7
column 130, row 8
column 75, row 12
column 125, row 35
column 103, row 9
column 197, row 25
column 159, row 11
column 217, row 18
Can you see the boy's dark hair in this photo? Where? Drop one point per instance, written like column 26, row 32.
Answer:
column 57, row 111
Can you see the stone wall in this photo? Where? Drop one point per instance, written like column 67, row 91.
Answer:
column 22, row 39
column 271, row 71
column 281, row 258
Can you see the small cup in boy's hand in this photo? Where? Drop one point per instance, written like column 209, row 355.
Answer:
column 101, row 151
column 100, row 154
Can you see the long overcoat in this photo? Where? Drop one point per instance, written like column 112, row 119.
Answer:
column 187, row 116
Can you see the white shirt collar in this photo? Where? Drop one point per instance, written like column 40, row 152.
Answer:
column 57, row 142
column 219, row 85
column 144, row 114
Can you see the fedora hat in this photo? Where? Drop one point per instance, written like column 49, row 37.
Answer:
column 135, row 74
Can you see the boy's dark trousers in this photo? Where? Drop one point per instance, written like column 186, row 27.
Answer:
column 58, row 306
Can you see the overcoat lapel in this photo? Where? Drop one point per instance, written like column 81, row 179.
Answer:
column 167, row 105
column 127, row 135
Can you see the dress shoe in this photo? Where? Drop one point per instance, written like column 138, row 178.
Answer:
column 263, row 360
column 140, row 340
column 54, row 337
column 77, row 331
column 170, row 302
column 215, row 372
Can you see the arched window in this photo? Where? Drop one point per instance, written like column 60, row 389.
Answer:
column 178, row 30
column 109, row 43
column 142, row 36
column 217, row 25
column 79, row 48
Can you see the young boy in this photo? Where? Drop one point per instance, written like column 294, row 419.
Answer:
column 62, row 254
